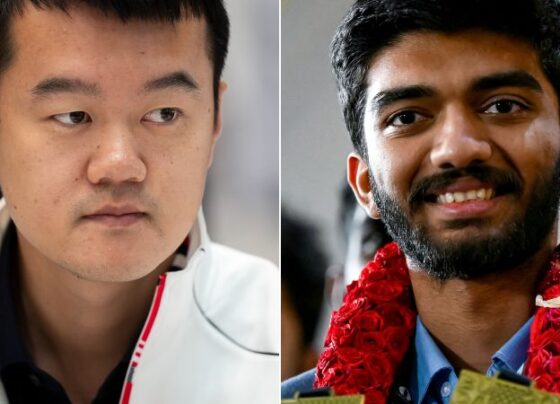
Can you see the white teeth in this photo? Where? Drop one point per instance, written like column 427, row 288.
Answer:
column 480, row 194
column 459, row 196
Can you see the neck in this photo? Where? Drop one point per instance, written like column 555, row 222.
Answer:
column 69, row 321
column 471, row 319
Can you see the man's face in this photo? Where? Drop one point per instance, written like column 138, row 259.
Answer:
column 462, row 135
column 106, row 134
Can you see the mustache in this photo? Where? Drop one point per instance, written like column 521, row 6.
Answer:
column 503, row 181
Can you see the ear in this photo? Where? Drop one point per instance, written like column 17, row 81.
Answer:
column 358, row 178
column 216, row 133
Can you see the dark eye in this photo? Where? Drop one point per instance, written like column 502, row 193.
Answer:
column 73, row 118
column 162, row 115
column 405, row 118
column 504, row 107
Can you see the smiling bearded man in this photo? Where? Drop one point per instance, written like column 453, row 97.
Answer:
column 453, row 111
column 110, row 290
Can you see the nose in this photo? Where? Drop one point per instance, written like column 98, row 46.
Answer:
column 462, row 140
column 116, row 159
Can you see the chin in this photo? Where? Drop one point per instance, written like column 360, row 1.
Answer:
column 119, row 268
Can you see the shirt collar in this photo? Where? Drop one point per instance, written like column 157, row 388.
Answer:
column 431, row 364
column 512, row 354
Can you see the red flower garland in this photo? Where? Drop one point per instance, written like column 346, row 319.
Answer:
column 543, row 358
column 372, row 331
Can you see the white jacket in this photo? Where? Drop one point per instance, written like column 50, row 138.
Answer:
column 212, row 335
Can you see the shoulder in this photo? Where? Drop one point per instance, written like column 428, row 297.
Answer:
column 238, row 294
column 302, row 383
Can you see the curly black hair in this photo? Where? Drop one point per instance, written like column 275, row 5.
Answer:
column 372, row 25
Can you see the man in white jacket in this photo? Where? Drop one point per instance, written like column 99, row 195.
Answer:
column 110, row 290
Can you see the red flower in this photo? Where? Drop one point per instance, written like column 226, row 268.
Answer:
column 372, row 273
column 381, row 371
column 374, row 397
column 548, row 340
column 358, row 380
column 368, row 320
column 545, row 382
column 553, row 367
column 536, row 363
column 371, row 341
column 348, row 310
column 334, row 376
column 553, row 318
column 384, row 291
column 341, row 336
column 398, row 341
column 352, row 357
column 552, row 292
column 326, row 360
column 397, row 315
column 540, row 322
column 371, row 331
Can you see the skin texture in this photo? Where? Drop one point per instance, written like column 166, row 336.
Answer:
column 87, row 284
column 455, row 127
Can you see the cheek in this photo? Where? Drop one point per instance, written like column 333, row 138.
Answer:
column 396, row 164
column 33, row 173
column 179, row 173
column 42, row 179
column 535, row 150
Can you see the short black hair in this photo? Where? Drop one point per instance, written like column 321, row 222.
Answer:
column 372, row 25
column 212, row 11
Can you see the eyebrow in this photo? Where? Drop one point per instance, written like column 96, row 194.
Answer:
column 387, row 97
column 515, row 78
column 180, row 80
column 57, row 85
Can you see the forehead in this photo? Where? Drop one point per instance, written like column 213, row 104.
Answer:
column 450, row 62
column 53, row 42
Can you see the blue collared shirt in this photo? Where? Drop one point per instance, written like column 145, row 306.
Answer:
column 433, row 378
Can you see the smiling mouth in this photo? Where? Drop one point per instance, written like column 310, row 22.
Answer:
column 481, row 194
column 485, row 193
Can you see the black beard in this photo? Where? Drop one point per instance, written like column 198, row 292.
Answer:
column 516, row 243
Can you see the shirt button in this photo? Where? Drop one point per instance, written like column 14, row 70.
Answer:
column 446, row 389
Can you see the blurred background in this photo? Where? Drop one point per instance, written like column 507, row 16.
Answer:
column 314, row 139
column 326, row 236
column 241, row 200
